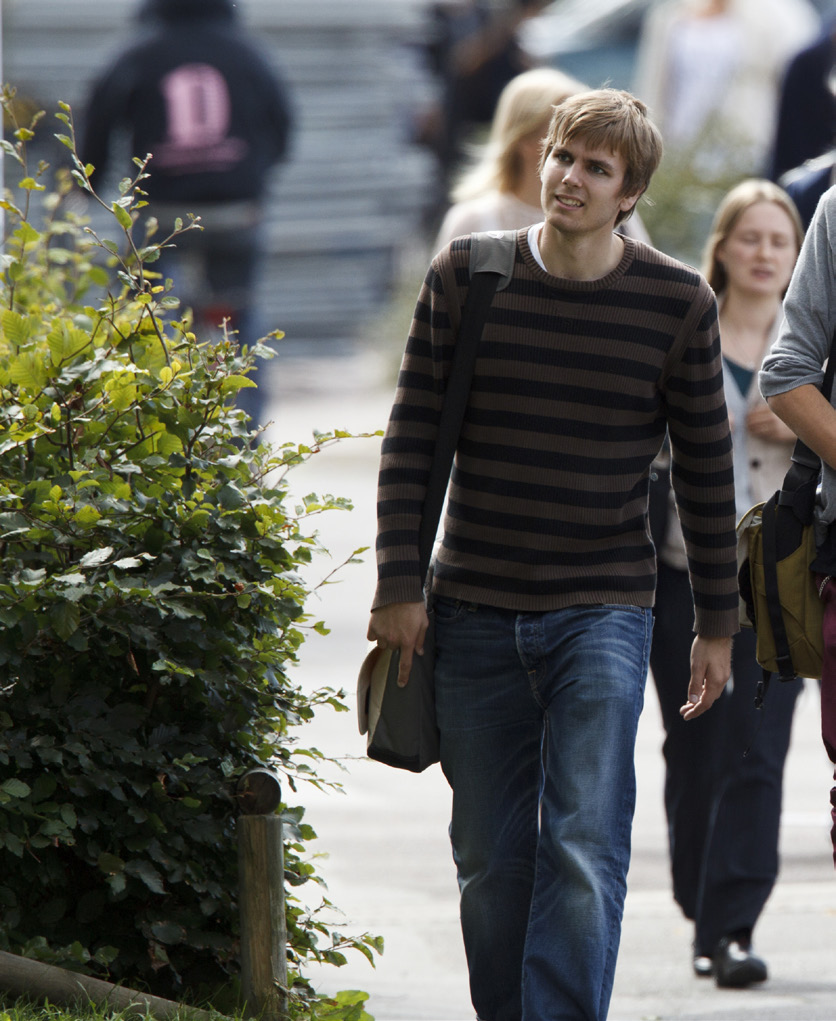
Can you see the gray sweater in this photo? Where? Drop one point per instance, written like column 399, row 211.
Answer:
column 803, row 344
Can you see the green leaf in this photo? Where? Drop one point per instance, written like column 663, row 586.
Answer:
column 28, row 370
column 232, row 384
column 15, row 788
column 96, row 557
column 117, row 883
column 111, row 864
column 68, row 816
column 43, row 787
column 168, row 932
column 86, row 517
column 230, row 497
column 169, row 443
column 73, row 578
column 14, row 844
column 123, row 217
column 27, row 233
column 127, row 562
column 16, row 328
column 148, row 874
column 64, row 618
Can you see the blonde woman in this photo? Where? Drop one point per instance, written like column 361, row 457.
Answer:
column 501, row 190
column 723, row 802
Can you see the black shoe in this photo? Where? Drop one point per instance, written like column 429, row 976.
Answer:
column 702, row 965
column 735, row 965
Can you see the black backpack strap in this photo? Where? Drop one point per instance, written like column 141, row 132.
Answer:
column 492, row 257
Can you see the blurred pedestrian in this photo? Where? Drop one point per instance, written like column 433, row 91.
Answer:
column 806, row 118
column 543, row 582
column 806, row 184
column 724, row 772
column 790, row 379
column 710, row 71
column 474, row 52
column 196, row 92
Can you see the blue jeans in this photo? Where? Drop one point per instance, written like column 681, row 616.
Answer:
column 538, row 715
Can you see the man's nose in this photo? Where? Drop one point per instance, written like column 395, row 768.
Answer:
column 570, row 174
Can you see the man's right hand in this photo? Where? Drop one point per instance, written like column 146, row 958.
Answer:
column 400, row 626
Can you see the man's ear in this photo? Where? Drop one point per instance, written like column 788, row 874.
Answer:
column 629, row 202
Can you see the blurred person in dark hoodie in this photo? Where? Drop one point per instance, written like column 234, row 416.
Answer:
column 196, row 93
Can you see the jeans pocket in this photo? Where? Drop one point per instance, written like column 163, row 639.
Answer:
column 625, row 607
column 447, row 609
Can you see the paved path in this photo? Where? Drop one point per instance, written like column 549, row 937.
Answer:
column 389, row 867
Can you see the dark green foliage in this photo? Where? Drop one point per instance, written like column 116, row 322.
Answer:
column 149, row 609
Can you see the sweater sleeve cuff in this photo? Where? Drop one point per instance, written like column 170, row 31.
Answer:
column 717, row 625
column 397, row 590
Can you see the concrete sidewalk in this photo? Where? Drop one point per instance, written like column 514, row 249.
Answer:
column 389, row 866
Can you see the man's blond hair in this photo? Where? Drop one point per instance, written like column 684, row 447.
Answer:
column 615, row 121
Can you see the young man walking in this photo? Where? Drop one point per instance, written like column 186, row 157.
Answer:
column 544, row 581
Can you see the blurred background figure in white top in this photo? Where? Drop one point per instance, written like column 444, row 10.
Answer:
column 711, row 71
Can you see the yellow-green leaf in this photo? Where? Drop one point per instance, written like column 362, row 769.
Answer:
column 65, row 341
column 16, row 328
column 28, row 370
column 122, row 397
column 232, row 384
column 86, row 516
column 27, row 233
column 169, row 444
column 30, row 184
column 123, row 217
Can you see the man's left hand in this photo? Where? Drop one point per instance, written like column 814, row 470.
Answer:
column 710, row 669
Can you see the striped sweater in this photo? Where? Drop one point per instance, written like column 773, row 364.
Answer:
column 574, row 386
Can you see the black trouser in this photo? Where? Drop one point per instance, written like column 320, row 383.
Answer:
column 723, row 803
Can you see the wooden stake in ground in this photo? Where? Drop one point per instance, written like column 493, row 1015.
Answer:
column 261, row 897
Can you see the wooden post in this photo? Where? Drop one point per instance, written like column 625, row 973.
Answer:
column 261, row 898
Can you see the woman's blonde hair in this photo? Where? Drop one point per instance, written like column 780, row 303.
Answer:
column 732, row 207
column 524, row 105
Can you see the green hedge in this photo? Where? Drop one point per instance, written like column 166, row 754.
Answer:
column 150, row 607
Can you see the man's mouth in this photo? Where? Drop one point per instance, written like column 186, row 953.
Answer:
column 567, row 201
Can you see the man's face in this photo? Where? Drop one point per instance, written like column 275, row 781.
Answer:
column 582, row 188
